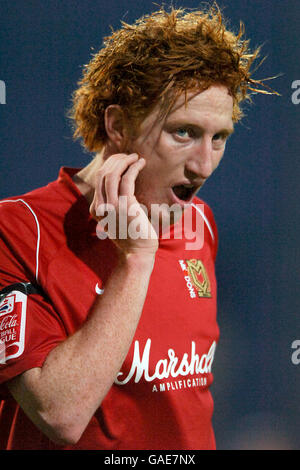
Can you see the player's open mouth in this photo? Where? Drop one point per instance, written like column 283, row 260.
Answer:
column 184, row 192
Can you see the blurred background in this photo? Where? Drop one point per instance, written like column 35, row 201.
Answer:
column 254, row 193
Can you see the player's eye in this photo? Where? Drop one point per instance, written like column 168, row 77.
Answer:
column 219, row 136
column 220, row 139
column 184, row 132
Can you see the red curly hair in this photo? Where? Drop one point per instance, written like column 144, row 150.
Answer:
column 154, row 60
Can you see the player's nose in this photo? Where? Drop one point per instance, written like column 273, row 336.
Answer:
column 200, row 161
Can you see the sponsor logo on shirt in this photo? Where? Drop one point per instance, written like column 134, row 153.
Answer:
column 169, row 368
column 98, row 289
column 196, row 278
column 7, row 305
column 12, row 326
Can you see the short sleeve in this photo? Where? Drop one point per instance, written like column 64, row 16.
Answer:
column 29, row 329
column 29, row 325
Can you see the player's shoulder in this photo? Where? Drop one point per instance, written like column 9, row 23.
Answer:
column 207, row 214
column 12, row 208
column 205, row 207
column 39, row 202
column 19, row 206
column 22, row 212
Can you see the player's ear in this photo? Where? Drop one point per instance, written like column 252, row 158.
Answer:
column 115, row 126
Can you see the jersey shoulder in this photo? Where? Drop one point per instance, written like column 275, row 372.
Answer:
column 45, row 206
column 209, row 219
column 32, row 227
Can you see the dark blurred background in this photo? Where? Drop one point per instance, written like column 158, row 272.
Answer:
column 254, row 193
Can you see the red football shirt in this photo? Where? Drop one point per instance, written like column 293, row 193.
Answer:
column 160, row 398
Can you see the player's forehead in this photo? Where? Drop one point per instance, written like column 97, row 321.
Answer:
column 194, row 107
column 215, row 97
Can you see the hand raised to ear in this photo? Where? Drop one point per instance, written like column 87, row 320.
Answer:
column 115, row 195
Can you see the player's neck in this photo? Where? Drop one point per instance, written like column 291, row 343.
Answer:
column 85, row 178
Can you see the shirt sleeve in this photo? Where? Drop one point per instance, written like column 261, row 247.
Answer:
column 30, row 327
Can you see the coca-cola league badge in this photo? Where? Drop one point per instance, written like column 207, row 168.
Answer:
column 12, row 325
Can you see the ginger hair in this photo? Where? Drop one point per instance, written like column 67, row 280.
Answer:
column 153, row 61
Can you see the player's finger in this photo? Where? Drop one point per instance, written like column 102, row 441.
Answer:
column 127, row 183
column 108, row 177
column 113, row 176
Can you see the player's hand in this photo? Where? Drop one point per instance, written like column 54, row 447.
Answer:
column 115, row 201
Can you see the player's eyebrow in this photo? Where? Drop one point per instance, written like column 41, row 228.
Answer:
column 182, row 123
column 226, row 131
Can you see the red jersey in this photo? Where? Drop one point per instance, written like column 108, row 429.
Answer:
column 160, row 398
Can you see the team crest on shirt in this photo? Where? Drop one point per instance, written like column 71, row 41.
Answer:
column 12, row 325
column 196, row 278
